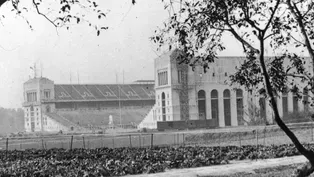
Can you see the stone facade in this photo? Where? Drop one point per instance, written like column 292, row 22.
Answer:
column 197, row 95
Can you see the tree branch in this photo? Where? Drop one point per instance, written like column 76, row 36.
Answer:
column 269, row 35
column 235, row 34
column 297, row 40
column 3, row 2
column 37, row 9
column 271, row 16
column 308, row 10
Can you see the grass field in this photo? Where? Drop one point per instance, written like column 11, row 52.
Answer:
column 237, row 136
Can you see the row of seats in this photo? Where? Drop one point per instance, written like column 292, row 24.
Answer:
column 86, row 118
column 111, row 92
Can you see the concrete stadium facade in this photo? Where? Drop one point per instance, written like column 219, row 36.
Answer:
column 50, row 107
column 184, row 94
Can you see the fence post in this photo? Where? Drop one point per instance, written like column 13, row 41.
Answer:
column 256, row 143
column 20, row 146
column 183, row 139
column 6, row 148
column 113, row 142
column 130, row 140
column 174, row 139
column 219, row 145
column 102, row 141
column 151, row 140
column 42, row 143
column 312, row 131
column 265, row 136
column 139, row 140
column 84, row 142
column 240, row 139
column 62, row 144
column 71, row 142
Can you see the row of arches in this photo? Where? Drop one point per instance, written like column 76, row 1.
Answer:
column 226, row 105
column 285, row 103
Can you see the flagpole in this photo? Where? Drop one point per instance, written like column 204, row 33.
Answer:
column 119, row 99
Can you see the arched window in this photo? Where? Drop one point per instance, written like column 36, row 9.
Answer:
column 295, row 103
column 32, row 108
column 163, row 106
column 284, row 103
column 227, row 107
column 306, row 99
column 239, row 102
column 262, row 105
column 214, row 104
column 201, row 104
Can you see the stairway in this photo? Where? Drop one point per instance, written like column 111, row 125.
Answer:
column 149, row 122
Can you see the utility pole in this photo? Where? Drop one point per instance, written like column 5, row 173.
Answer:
column 35, row 74
column 119, row 99
column 41, row 69
column 78, row 78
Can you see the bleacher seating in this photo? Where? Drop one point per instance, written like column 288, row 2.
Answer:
column 101, row 117
column 105, row 92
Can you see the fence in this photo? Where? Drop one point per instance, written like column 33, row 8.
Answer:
column 239, row 136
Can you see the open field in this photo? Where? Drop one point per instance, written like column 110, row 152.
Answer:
column 238, row 136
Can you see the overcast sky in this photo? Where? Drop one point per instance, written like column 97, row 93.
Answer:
column 125, row 46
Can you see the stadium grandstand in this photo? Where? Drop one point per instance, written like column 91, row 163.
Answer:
column 50, row 107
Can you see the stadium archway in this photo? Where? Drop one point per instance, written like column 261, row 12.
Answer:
column 284, row 104
column 163, row 106
column 227, row 107
column 306, row 99
column 201, row 104
column 239, row 102
column 295, row 103
column 262, row 106
column 214, row 104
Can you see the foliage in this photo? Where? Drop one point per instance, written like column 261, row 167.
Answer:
column 62, row 13
column 198, row 27
column 123, row 161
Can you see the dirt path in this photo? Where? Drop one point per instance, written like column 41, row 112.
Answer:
column 232, row 168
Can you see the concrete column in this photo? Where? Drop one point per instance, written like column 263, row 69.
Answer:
column 233, row 101
column 245, row 105
column 208, row 105
column 279, row 104
column 269, row 111
column 290, row 102
column 301, row 105
column 311, row 95
column 221, row 108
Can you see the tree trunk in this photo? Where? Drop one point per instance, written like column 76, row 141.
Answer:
column 308, row 154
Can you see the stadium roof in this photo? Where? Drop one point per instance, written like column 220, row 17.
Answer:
column 98, row 92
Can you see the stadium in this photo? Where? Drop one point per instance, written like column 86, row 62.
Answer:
column 50, row 107
column 185, row 99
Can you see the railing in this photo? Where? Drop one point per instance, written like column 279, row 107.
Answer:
column 232, row 136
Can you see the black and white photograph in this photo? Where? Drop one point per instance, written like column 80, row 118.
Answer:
column 155, row 88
